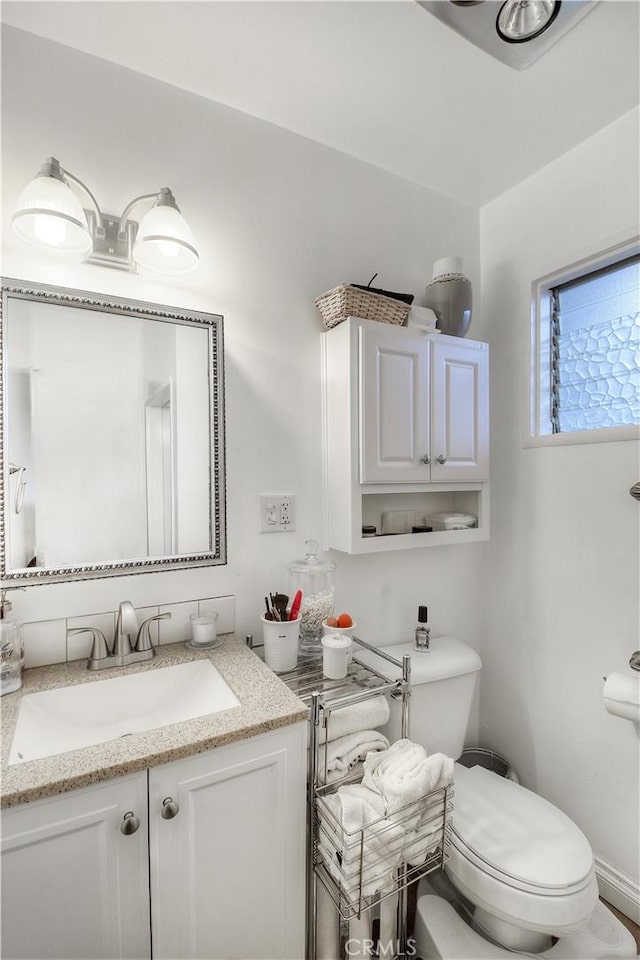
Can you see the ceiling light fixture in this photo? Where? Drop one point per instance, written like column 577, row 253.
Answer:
column 522, row 20
column 50, row 215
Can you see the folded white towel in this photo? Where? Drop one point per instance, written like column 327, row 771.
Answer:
column 424, row 840
column 404, row 773
column 374, row 880
column 344, row 753
column 377, row 873
column 366, row 715
column 354, row 835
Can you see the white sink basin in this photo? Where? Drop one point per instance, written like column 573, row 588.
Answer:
column 83, row 715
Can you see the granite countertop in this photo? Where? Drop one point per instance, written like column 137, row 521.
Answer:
column 265, row 704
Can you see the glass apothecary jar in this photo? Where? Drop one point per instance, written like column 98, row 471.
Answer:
column 314, row 577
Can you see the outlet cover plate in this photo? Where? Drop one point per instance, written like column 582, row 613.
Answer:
column 277, row 512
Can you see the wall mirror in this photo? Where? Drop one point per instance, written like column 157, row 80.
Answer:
column 111, row 436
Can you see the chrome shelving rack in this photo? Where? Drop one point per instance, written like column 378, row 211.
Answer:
column 324, row 697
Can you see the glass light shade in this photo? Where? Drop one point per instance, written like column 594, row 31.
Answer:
column 49, row 214
column 521, row 20
column 164, row 242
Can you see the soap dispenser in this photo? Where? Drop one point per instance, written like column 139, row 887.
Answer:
column 422, row 634
column 11, row 649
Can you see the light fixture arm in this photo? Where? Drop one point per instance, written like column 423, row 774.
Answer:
column 53, row 169
column 163, row 198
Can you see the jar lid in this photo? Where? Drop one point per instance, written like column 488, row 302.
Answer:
column 312, row 563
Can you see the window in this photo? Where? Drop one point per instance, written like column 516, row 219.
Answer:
column 588, row 349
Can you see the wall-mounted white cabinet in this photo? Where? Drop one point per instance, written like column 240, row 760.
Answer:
column 206, row 860
column 406, row 428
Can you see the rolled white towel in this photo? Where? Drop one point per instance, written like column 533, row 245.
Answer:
column 344, row 753
column 404, row 773
column 356, row 818
column 367, row 715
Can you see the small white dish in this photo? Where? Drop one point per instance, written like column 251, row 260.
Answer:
column 346, row 631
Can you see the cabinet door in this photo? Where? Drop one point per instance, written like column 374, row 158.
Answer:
column 460, row 410
column 227, row 870
column 74, row 885
column 394, row 406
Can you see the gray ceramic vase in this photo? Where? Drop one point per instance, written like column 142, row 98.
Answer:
column 449, row 296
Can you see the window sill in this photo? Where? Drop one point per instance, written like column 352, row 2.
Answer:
column 604, row 435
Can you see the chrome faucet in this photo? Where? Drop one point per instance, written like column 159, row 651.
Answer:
column 132, row 644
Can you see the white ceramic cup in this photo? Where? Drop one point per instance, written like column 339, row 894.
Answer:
column 280, row 643
column 336, row 655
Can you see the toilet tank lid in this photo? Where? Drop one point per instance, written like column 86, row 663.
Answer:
column 446, row 658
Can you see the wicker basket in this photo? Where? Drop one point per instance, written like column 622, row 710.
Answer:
column 346, row 301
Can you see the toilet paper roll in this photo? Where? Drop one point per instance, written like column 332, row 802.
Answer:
column 327, row 927
column 622, row 696
column 360, row 943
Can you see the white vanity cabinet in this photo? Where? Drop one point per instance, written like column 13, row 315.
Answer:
column 228, row 870
column 406, row 428
column 73, row 884
column 215, row 868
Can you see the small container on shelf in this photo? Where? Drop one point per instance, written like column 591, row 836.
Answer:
column 451, row 521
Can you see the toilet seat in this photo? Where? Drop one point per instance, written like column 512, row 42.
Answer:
column 517, row 856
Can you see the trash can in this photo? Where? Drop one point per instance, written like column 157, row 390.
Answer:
column 482, row 757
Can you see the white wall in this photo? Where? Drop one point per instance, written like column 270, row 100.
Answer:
column 279, row 219
column 561, row 590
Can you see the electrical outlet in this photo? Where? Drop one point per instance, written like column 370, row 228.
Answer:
column 277, row 512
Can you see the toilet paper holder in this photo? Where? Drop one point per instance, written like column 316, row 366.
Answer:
column 621, row 693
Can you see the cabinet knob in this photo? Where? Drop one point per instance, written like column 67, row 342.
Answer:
column 169, row 808
column 425, row 459
column 130, row 823
column 442, row 458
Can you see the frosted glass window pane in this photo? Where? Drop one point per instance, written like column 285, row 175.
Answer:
column 598, row 339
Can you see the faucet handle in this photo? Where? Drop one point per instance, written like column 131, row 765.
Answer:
column 99, row 648
column 143, row 640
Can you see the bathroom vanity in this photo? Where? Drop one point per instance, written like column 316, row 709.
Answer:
column 184, row 841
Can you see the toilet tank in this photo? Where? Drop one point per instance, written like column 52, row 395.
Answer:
column 443, row 681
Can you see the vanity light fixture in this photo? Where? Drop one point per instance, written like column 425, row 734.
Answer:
column 50, row 215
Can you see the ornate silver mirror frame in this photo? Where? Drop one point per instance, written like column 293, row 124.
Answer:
column 15, row 290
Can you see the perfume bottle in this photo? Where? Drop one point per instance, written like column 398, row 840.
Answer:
column 423, row 630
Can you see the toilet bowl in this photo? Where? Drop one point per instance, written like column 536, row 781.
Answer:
column 442, row 934
column 526, row 870
column 524, row 865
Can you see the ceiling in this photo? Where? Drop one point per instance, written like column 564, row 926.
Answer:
column 386, row 82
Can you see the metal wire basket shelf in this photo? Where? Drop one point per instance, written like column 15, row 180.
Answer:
column 361, row 868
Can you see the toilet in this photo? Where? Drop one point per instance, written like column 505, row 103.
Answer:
column 524, row 870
